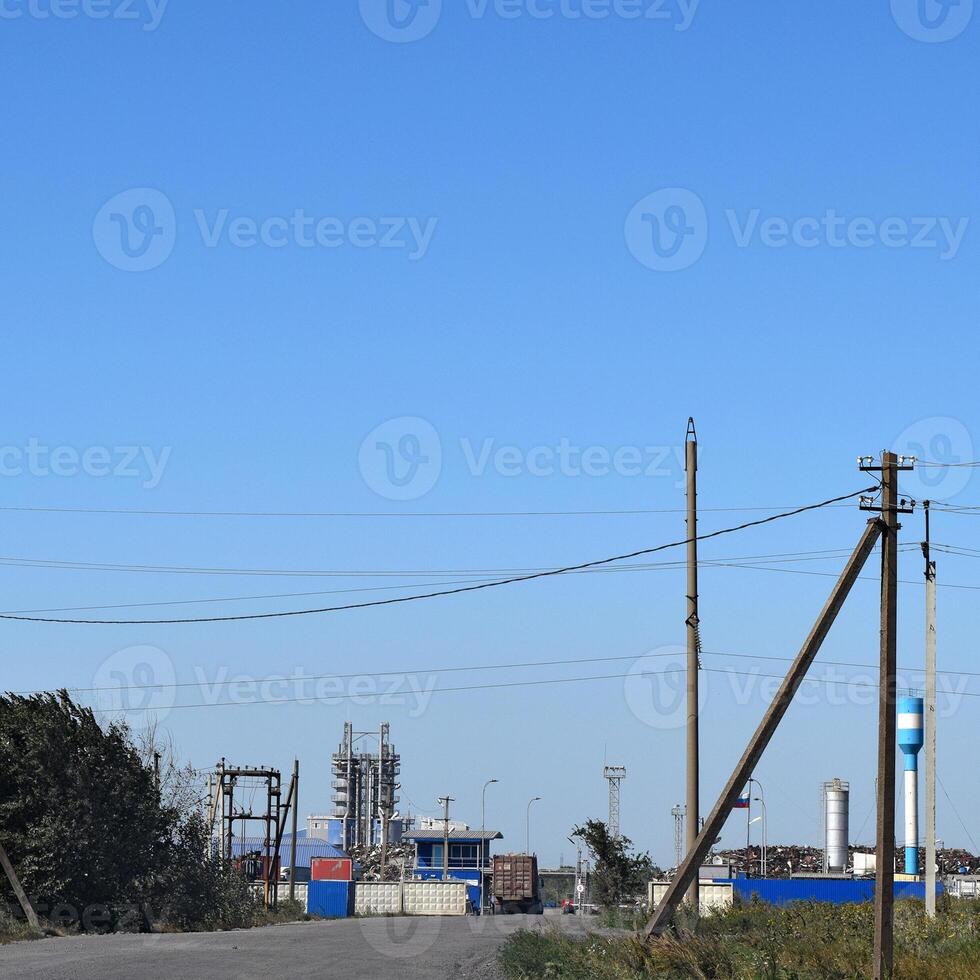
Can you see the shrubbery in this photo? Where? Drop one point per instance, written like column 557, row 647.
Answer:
column 96, row 844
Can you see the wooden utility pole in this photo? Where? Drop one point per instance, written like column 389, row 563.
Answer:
column 687, row 874
column 693, row 651
column 294, row 797
column 930, row 723
column 891, row 506
column 25, row 902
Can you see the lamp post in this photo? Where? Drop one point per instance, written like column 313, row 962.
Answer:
column 760, row 799
column 483, row 839
column 527, row 833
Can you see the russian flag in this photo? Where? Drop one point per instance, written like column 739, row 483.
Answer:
column 742, row 803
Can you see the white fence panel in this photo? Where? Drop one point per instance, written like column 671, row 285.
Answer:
column 435, row 898
column 377, row 898
column 712, row 896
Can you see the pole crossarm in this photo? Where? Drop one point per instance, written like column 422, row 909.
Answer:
column 687, row 874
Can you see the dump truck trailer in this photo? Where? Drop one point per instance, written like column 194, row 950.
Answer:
column 516, row 885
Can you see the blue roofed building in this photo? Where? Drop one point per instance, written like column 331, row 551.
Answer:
column 469, row 856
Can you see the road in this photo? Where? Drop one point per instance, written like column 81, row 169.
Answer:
column 351, row 949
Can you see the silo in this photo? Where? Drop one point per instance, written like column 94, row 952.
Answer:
column 836, row 813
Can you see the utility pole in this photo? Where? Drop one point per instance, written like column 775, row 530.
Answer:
column 693, row 650
column 930, row 723
column 295, row 828
column 445, row 801
column 891, row 506
column 25, row 902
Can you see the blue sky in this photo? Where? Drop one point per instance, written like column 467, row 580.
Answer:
column 346, row 230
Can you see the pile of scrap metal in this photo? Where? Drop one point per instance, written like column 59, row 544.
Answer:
column 396, row 858
column 786, row 860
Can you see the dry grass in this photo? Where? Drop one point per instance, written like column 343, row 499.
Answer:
column 805, row 941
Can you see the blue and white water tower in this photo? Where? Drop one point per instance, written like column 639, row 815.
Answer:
column 910, row 741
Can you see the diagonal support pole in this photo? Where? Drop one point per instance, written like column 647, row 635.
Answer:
column 25, row 902
column 687, row 874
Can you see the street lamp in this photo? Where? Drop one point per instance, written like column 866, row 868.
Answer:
column 760, row 799
column 527, row 834
column 483, row 837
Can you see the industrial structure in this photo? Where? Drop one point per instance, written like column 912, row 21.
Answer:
column 615, row 775
column 365, row 791
column 910, row 713
column 836, row 825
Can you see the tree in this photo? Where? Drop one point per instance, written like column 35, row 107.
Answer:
column 620, row 876
column 96, row 844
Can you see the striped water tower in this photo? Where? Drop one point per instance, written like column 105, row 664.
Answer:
column 910, row 741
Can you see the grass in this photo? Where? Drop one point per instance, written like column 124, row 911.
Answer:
column 15, row 930
column 805, row 941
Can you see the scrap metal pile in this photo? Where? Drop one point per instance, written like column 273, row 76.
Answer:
column 397, row 857
column 784, row 860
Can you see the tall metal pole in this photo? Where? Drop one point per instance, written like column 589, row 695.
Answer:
column 693, row 665
column 483, row 840
column 445, row 801
column 527, row 829
column 687, row 874
column 884, row 941
column 292, row 843
column 930, row 724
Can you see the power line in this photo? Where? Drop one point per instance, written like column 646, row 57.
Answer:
column 455, row 591
column 522, row 665
column 834, row 682
column 372, row 514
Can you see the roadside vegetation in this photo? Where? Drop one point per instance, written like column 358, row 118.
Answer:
column 755, row 941
column 97, row 844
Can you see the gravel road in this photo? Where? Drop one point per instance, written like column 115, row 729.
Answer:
column 351, row 949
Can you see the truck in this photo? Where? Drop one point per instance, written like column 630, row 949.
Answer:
column 516, row 885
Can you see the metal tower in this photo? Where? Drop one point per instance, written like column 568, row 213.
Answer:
column 678, row 813
column 615, row 775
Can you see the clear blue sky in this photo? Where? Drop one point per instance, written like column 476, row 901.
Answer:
column 506, row 155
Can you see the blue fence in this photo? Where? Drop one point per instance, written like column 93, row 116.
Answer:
column 330, row 899
column 837, row 891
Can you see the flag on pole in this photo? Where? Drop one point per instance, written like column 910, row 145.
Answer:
column 742, row 803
